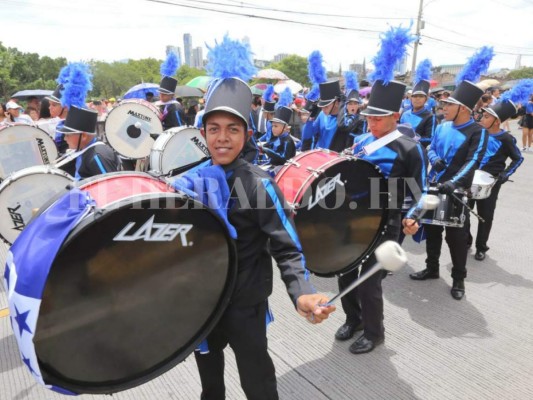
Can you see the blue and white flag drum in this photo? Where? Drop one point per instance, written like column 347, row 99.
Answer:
column 27, row 267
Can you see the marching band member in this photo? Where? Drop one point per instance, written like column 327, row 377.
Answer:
column 501, row 146
column 350, row 122
column 280, row 147
column 172, row 115
column 260, row 215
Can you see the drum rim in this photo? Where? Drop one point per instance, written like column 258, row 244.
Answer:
column 110, row 387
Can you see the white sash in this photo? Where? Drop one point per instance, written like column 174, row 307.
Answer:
column 383, row 141
column 72, row 156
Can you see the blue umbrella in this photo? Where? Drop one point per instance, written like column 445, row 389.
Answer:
column 24, row 94
column 139, row 91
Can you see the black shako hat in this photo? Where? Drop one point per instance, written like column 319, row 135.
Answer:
column 329, row 92
column 353, row 96
column 231, row 95
column 56, row 95
column 269, row 106
column 466, row 94
column 503, row 110
column 421, row 87
column 385, row 99
column 282, row 115
column 80, row 120
column 167, row 85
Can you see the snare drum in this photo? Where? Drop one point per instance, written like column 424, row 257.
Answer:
column 482, row 185
column 23, row 146
column 25, row 191
column 126, row 297
column 177, row 147
column 338, row 212
column 128, row 127
column 449, row 212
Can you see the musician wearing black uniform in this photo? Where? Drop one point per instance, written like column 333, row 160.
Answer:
column 501, row 146
column 280, row 147
column 94, row 157
column 259, row 214
column 172, row 114
column 351, row 121
column 456, row 151
column 400, row 158
column 419, row 116
column 327, row 123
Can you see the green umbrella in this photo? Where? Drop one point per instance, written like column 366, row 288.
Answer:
column 200, row 82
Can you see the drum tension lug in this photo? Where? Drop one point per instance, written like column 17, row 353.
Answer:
column 292, row 162
column 315, row 172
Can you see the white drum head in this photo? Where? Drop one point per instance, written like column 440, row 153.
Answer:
column 23, row 146
column 482, row 178
column 25, row 191
column 177, row 147
column 128, row 127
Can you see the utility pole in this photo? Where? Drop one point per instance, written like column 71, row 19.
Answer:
column 418, row 27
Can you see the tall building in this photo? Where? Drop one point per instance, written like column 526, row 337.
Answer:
column 187, row 48
column 176, row 50
column 246, row 40
column 357, row 68
column 197, row 58
column 401, row 65
column 279, row 57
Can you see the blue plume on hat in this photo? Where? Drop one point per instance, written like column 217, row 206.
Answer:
column 314, row 93
column 230, row 59
column 77, row 82
column 476, row 65
column 520, row 93
column 170, row 66
column 351, row 83
column 393, row 48
column 316, row 71
column 285, row 98
column 63, row 74
column 423, row 71
column 268, row 93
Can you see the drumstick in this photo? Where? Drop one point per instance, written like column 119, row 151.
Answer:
column 390, row 256
column 429, row 202
column 468, row 207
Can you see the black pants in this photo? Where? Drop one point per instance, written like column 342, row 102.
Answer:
column 365, row 302
column 456, row 238
column 485, row 209
column 244, row 329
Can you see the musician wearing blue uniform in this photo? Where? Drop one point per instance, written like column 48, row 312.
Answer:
column 456, row 151
column 419, row 117
column 501, row 146
column 265, row 120
column 280, row 147
column 326, row 126
column 352, row 122
column 172, row 114
column 93, row 157
column 403, row 164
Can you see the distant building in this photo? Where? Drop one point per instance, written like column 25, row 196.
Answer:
column 246, row 40
column 359, row 68
column 197, row 58
column 452, row 69
column 261, row 63
column 176, row 50
column 279, row 57
column 401, row 66
column 187, row 48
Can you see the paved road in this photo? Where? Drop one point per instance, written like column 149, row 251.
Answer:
column 436, row 347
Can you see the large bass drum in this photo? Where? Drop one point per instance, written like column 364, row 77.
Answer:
column 134, row 288
column 129, row 126
column 338, row 211
column 23, row 146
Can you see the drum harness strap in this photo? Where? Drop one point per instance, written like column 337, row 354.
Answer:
column 71, row 156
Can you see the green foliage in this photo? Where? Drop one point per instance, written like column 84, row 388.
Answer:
column 522, row 73
column 186, row 73
column 295, row 67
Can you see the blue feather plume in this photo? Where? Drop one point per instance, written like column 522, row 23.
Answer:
column 316, row 71
column 393, row 48
column 520, row 93
column 230, row 59
column 314, row 93
column 350, row 82
column 63, row 74
column 423, row 71
column 76, row 79
column 476, row 65
column 170, row 66
column 285, row 98
column 268, row 93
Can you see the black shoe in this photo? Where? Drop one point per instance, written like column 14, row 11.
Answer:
column 480, row 255
column 424, row 274
column 347, row 331
column 364, row 345
column 458, row 289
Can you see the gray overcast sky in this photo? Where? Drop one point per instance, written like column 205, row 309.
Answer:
column 119, row 29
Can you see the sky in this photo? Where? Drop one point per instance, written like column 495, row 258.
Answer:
column 345, row 31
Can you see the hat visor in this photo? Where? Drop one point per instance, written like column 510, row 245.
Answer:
column 325, row 103
column 490, row 111
column 372, row 111
column 279, row 121
column 225, row 109
column 53, row 99
column 420, row 92
column 164, row 91
column 69, row 131
column 452, row 101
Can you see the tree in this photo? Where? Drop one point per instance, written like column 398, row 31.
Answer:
column 295, row 67
column 522, row 73
column 186, row 73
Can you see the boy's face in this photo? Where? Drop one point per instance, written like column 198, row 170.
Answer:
column 381, row 125
column 418, row 101
column 225, row 135
column 277, row 128
column 487, row 120
column 352, row 107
